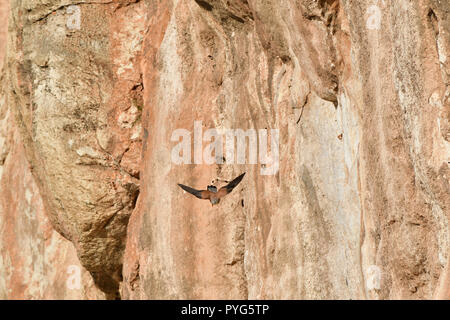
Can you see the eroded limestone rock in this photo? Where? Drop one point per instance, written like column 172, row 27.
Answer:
column 359, row 91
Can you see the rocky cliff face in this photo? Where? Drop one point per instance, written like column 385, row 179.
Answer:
column 91, row 93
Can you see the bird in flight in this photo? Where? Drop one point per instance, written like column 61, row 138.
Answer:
column 211, row 193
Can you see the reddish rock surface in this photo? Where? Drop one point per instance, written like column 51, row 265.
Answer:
column 359, row 91
column 35, row 261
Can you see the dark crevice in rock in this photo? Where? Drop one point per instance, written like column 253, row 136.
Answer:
column 238, row 19
column 107, row 284
column 135, row 277
column 109, row 281
column 434, row 21
column 205, row 5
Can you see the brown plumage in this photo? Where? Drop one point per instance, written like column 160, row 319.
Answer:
column 211, row 193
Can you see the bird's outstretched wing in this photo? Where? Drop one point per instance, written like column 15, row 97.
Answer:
column 229, row 187
column 201, row 194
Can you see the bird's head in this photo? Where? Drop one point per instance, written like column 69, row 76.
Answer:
column 212, row 189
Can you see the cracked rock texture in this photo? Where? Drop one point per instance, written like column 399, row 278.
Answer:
column 90, row 96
